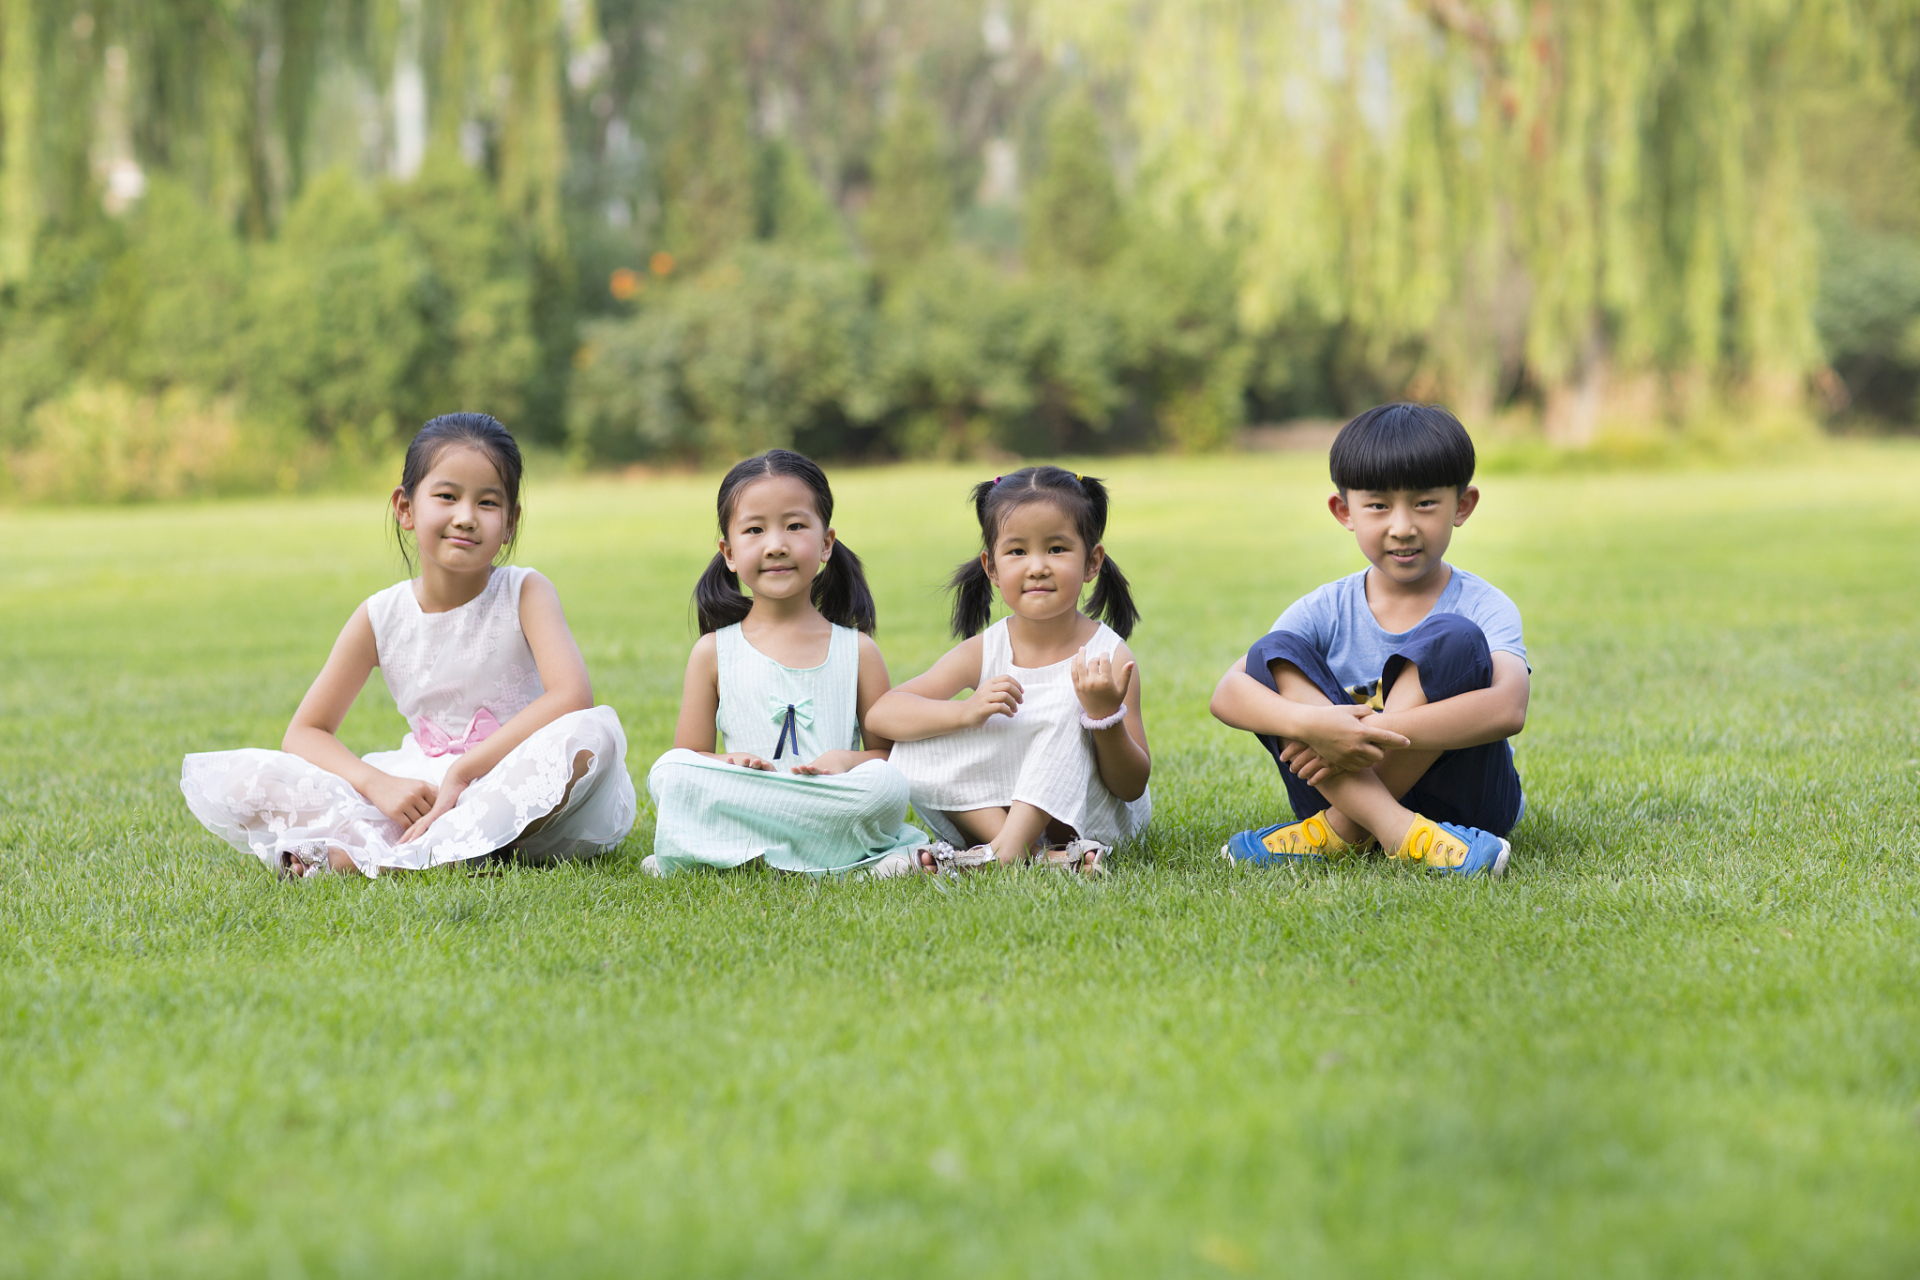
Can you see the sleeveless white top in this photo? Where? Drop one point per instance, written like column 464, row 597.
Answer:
column 1040, row 754
column 756, row 693
column 445, row 669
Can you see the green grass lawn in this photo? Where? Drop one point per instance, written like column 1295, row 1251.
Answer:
column 1682, row 1037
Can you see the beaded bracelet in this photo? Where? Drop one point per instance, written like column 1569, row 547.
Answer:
column 1088, row 722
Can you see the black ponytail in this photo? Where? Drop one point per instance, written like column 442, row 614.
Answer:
column 717, row 597
column 840, row 589
column 972, row 598
column 1083, row 498
column 1111, row 601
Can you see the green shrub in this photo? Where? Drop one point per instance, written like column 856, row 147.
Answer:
column 747, row 355
column 1869, row 316
column 106, row 442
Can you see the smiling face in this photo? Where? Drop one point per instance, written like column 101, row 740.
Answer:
column 1404, row 532
column 776, row 540
column 1040, row 562
column 458, row 515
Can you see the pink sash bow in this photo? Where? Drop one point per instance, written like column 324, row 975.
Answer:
column 434, row 740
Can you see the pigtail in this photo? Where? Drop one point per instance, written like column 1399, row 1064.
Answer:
column 840, row 591
column 1112, row 601
column 972, row 598
column 717, row 597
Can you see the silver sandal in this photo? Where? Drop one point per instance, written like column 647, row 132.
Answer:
column 1088, row 857
column 307, row 858
column 949, row 861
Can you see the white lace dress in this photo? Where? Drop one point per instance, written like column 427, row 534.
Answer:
column 1039, row 755
column 722, row 815
column 456, row 676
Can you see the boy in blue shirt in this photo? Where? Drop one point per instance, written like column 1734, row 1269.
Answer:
column 1387, row 697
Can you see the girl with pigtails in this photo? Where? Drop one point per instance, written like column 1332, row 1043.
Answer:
column 1048, row 753
column 785, row 677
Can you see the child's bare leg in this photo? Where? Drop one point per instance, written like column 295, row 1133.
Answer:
column 976, row 826
column 979, row 826
column 1362, row 804
column 1025, row 826
column 1295, row 687
column 1401, row 769
column 340, row 861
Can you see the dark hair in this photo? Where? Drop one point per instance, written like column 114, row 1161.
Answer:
column 840, row 588
column 1402, row 446
column 1083, row 498
column 477, row 431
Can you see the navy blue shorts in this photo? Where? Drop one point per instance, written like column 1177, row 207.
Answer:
column 1473, row 786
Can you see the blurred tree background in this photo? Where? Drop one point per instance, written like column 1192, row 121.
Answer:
column 244, row 243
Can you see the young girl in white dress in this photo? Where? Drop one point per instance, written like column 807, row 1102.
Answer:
column 506, row 749
column 1049, row 753
column 784, row 677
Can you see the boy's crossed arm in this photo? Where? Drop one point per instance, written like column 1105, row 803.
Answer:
column 1326, row 738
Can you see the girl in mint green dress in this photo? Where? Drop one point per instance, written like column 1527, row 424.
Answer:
column 784, row 677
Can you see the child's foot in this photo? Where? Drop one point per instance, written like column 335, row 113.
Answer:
column 1452, row 849
column 1088, row 857
column 895, row 865
column 1310, row 840
column 943, row 859
column 650, row 865
column 314, row 858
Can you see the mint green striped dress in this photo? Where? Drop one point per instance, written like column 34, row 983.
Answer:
column 722, row 815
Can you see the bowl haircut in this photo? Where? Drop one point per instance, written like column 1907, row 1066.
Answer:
column 1402, row 446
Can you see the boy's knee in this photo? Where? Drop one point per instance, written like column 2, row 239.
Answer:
column 1448, row 634
column 1278, row 649
column 1450, row 654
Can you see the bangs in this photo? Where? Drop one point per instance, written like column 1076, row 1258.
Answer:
column 1402, row 446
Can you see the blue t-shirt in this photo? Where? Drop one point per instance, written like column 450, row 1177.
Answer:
column 1341, row 626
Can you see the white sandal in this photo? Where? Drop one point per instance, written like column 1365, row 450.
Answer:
column 1088, row 857
column 305, row 859
column 949, row 861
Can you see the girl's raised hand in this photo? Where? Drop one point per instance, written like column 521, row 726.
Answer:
column 748, row 760
column 405, row 800
column 999, row 696
column 1101, row 688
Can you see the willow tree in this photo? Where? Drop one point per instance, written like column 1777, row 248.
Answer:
column 1599, row 197
column 222, row 94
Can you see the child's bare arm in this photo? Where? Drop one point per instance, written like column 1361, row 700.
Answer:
column 924, row 706
column 564, row 688
column 1347, row 737
column 312, row 733
column 1104, row 684
column 1468, row 719
column 700, row 704
column 872, row 687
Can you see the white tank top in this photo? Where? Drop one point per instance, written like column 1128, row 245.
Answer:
column 446, row 669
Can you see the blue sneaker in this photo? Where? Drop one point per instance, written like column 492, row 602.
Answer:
column 1453, row 850
column 1310, row 840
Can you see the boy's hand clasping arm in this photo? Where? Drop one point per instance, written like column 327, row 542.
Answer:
column 1469, row 719
column 1347, row 737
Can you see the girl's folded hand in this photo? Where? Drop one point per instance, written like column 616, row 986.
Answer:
column 448, row 796
column 748, row 760
column 829, row 762
column 999, row 696
column 405, row 800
